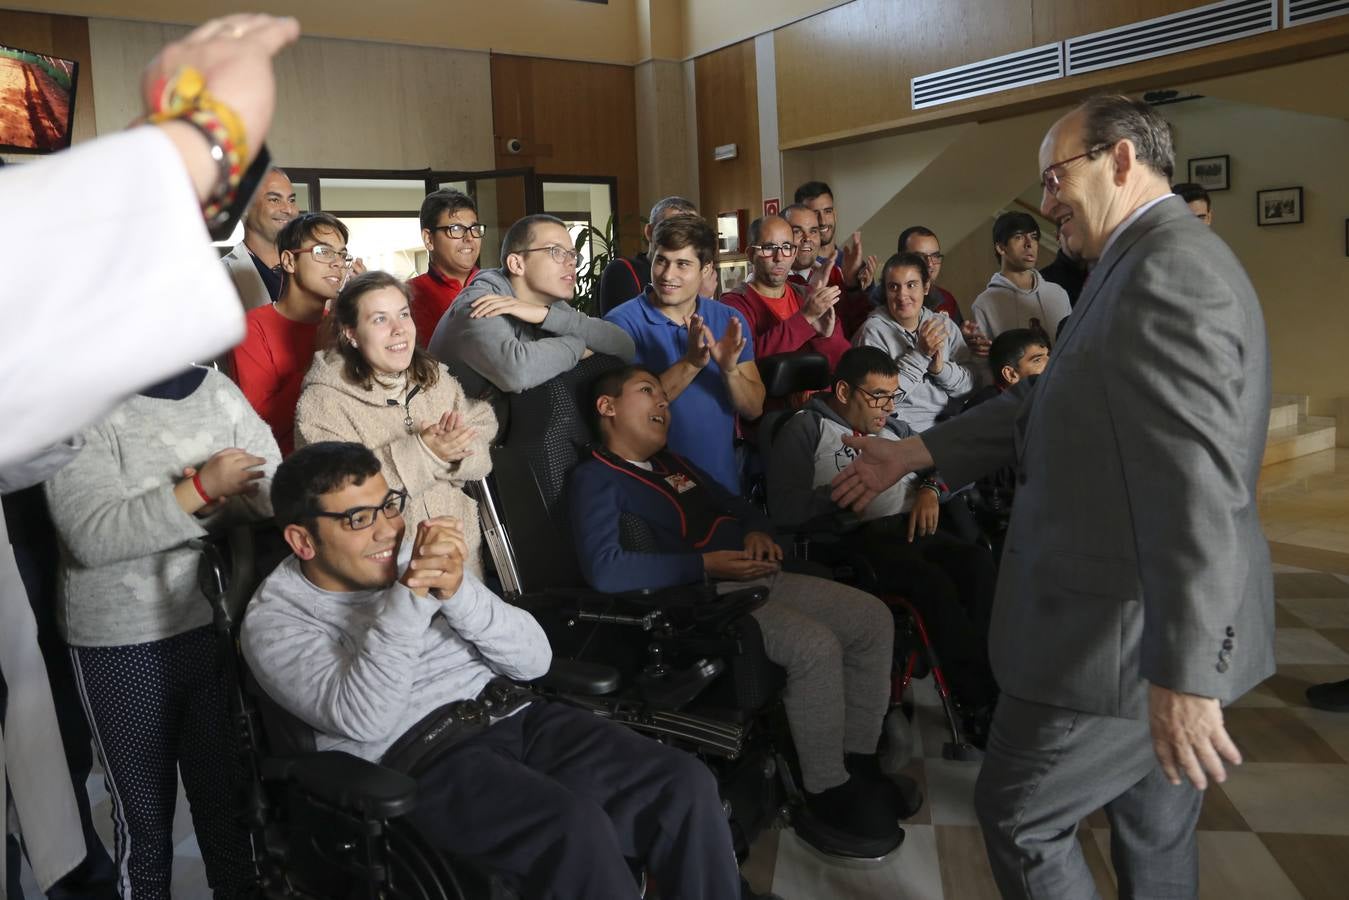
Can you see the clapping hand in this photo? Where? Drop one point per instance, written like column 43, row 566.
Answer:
column 699, row 350
column 448, row 437
column 974, row 338
column 439, row 553
column 726, row 351
column 231, row 473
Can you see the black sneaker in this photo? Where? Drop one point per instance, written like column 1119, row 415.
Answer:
column 900, row 790
column 1333, row 696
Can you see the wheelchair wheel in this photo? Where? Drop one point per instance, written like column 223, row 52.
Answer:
column 417, row 871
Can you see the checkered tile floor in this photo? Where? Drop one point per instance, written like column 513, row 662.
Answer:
column 1277, row 830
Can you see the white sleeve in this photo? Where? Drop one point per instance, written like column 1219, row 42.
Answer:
column 113, row 284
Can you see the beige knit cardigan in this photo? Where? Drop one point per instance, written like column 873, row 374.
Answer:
column 333, row 409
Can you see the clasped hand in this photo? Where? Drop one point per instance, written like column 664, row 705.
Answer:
column 438, row 556
column 761, row 557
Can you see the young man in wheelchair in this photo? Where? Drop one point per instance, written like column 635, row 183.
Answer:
column 393, row 651
column 834, row 641
column 950, row 581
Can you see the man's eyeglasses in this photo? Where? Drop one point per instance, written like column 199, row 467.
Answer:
column 559, row 254
column 767, row 250
column 359, row 518
column 458, row 231
column 933, row 257
column 881, row 399
column 326, row 255
column 1050, row 177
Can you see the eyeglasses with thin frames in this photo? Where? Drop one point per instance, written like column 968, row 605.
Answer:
column 767, row 250
column 1051, row 177
column 559, row 254
column 458, row 230
column 359, row 518
column 326, row 255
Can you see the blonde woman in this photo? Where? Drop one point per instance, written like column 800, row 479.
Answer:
column 377, row 387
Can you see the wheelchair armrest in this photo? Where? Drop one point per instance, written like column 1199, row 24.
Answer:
column 678, row 596
column 571, row 676
column 347, row 782
column 828, row 524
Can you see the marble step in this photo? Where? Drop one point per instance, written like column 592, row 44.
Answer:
column 1310, row 435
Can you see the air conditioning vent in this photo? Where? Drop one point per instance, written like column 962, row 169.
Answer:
column 1215, row 23
column 1299, row 12
column 988, row 76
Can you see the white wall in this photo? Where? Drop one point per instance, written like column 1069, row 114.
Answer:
column 1300, row 272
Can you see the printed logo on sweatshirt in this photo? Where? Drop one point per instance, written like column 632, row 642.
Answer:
column 680, row 482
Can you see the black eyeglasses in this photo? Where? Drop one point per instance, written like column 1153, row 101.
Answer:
column 933, row 257
column 458, row 231
column 881, row 399
column 767, row 250
column 359, row 518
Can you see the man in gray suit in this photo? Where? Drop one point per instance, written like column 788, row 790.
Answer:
column 1135, row 597
column 252, row 264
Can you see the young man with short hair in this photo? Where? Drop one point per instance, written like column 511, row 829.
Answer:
column 783, row 316
column 512, row 328
column 1017, row 297
column 372, row 645
column 704, row 350
column 811, row 268
column 279, row 339
column 932, row 356
column 254, row 263
column 850, row 271
column 1017, row 354
column 626, row 277
column 949, row 581
column 452, row 235
column 1197, row 199
column 833, row 640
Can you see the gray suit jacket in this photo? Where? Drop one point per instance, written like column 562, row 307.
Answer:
column 247, row 282
column 1135, row 549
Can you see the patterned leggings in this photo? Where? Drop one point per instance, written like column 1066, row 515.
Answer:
column 154, row 708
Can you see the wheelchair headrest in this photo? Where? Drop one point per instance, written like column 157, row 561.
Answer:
column 790, row 373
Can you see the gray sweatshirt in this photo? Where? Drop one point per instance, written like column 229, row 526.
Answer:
column 512, row 355
column 925, row 396
column 806, row 456
column 1004, row 306
column 363, row 667
column 127, row 575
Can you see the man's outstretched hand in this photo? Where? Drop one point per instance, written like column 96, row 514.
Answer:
column 1189, row 737
column 879, row 465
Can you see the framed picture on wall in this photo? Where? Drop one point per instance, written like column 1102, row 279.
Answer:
column 1212, row 173
column 1278, row 206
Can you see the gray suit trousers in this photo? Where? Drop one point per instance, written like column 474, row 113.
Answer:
column 1046, row 769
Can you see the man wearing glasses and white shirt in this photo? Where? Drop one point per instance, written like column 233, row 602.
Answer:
column 280, row 337
column 512, row 328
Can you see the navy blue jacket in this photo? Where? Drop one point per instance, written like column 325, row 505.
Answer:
column 603, row 489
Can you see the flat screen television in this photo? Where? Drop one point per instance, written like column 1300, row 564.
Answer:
column 37, row 100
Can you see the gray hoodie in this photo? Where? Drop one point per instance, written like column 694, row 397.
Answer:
column 1004, row 306
column 511, row 355
column 925, row 395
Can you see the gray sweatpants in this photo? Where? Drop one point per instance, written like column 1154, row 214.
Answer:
column 836, row 644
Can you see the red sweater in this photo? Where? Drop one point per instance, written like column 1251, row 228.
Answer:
column 270, row 366
column 778, row 326
column 852, row 307
column 432, row 294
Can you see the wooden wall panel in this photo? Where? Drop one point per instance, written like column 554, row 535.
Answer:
column 574, row 119
column 850, row 66
column 340, row 104
column 1058, row 20
column 64, row 36
column 726, row 87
